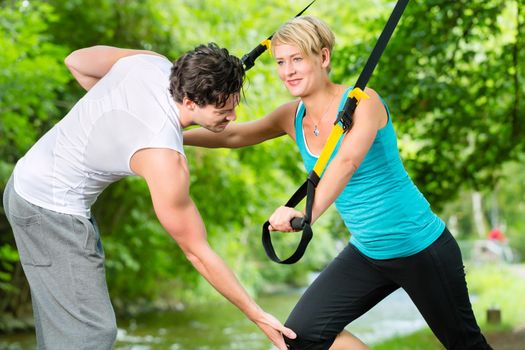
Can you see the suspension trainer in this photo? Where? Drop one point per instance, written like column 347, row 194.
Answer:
column 342, row 124
column 248, row 60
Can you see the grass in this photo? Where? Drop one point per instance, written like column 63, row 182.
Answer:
column 421, row 340
column 498, row 286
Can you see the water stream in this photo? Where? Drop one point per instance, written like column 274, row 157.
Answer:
column 221, row 327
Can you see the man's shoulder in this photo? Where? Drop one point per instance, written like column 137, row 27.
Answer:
column 146, row 63
column 158, row 162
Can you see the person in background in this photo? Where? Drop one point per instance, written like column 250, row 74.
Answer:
column 496, row 234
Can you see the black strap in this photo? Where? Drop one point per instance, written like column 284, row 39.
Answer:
column 307, row 190
column 346, row 117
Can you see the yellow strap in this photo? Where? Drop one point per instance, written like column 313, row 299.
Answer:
column 328, row 149
column 268, row 44
column 358, row 94
column 335, row 135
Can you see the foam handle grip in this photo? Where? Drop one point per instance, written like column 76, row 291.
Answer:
column 297, row 223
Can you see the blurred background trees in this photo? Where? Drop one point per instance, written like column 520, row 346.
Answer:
column 452, row 76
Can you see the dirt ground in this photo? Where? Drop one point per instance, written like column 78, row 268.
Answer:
column 508, row 340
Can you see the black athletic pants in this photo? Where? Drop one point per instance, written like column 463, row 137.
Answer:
column 353, row 283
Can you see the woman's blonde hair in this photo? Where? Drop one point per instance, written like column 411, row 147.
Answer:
column 308, row 33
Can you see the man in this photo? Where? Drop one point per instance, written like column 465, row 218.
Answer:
column 129, row 123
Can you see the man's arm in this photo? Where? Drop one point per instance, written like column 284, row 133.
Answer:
column 90, row 64
column 167, row 176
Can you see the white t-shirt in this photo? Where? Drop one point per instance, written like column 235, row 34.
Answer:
column 129, row 109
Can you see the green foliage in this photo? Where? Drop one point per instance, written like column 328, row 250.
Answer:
column 8, row 257
column 451, row 75
column 499, row 286
column 503, row 207
column 31, row 79
column 510, row 198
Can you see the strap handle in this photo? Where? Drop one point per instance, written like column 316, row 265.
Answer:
column 248, row 60
column 307, row 190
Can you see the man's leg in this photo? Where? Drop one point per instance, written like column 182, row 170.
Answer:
column 64, row 265
column 345, row 290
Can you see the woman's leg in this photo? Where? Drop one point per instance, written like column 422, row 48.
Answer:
column 345, row 290
column 348, row 341
column 435, row 280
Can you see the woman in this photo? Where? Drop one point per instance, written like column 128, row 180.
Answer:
column 397, row 241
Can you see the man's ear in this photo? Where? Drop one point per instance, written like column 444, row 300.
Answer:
column 188, row 104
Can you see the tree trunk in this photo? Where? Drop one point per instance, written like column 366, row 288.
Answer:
column 477, row 212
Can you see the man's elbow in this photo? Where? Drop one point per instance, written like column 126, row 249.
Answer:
column 192, row 258
column 71, row 60
column 68, row 61
column 192, row 255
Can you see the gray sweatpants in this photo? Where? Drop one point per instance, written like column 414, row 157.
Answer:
column 63, row 261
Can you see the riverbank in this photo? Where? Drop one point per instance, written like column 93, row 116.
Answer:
column 508, row 340
column 501, row 286
column 227, row 328
column 422, row 340
column 499, row 339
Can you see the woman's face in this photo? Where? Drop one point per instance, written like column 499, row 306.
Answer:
column 300, row 74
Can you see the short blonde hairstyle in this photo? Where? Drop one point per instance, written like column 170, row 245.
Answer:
column 308, row 33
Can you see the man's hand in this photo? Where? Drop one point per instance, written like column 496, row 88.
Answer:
column 274, row 330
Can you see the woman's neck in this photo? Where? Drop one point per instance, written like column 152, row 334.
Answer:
column 317, row 102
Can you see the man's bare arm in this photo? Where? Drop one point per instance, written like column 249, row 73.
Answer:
column 167, row 176
column 90, row 64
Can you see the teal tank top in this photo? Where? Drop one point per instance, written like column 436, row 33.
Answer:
column 384, row 211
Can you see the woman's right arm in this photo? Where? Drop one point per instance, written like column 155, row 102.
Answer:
column 236, row 135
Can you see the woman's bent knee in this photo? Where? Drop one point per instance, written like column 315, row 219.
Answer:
column 301, row 343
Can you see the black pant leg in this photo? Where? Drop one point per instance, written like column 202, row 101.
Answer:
column 435, row 281
column 345, row 290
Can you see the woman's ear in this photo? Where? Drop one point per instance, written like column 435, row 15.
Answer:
column 325, row 57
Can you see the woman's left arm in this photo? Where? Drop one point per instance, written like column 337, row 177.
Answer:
column 369, row 116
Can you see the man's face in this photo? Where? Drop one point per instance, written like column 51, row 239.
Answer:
column 214, row 118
